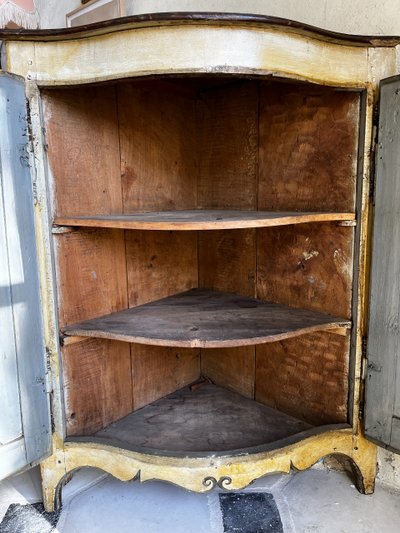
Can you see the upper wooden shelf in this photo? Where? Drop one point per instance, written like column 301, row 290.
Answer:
column 206, row 319
column 200, row 219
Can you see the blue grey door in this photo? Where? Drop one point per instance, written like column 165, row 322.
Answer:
column 382, row 409
column 24, row 402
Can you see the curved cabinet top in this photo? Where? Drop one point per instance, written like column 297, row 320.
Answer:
column 173, row 44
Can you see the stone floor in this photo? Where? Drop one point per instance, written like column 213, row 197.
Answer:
column 314, row 501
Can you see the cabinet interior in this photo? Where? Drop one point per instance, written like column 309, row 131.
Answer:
column 208, row 145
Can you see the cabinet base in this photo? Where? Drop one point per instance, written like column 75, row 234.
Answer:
column 201, row 474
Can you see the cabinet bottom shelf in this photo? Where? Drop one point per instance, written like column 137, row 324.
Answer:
column 205, row 421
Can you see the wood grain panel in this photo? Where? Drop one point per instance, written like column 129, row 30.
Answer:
column 83, row 150
column 160, row 264
column 228, row 144
column 91, row 274
column 157, row 136
column 158, row 371
column 232, row 368
column 308, row 147
column 306, row 377
column 227, row 261
column 308, row 265
column 97, row 384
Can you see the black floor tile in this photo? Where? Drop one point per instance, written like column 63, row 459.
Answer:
column 253, row 512
column 28, row 519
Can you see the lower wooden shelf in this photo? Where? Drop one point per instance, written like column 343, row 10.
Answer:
column 206, row 420
column 202, row 318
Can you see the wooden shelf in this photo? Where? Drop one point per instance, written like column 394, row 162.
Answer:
column 206, row 319
column 209, row 219
column 206, row 420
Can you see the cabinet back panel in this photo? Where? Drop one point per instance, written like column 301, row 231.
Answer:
column 97, row 384
column 83, row 150
column 306, row 377
column 158, row 150
column 228, row 145
column 231, row 368
column 308, row 148
column 160, row 264
column 307, row 265
column 227, row 261
column 158, row 371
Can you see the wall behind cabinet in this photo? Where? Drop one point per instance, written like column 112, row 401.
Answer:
column 377, row 17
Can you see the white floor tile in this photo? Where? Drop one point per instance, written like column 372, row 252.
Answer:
column 153, row 507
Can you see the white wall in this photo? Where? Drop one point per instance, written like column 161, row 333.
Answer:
column 380, row 17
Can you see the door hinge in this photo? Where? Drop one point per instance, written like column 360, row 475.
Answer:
column 48, row 373
column 31, row 152
column 374, row 148
column 364, row 358
column 364, row 370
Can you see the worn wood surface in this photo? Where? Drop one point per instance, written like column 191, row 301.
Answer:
column 97, row 384
column 204, row 318
column 25, row 433
column 232, row 368
column 91, row 274
column 308, row 148
column 228, row 145
column 83, row 150
column 173, row 49
column 158, row 371
column 158, row 156
column 306, row 377
column 201, row 474
column 308, row 265
column 383, row 380
column 206, row 419
column 200, row 219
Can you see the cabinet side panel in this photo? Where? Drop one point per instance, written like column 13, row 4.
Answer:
column 308, row 265
column 306, row 377
column 228, row 146
column 83, row 150
column 91, row 274
column 158, row 155
column 308, row 148
column 97, row 384
column 158, row 371
column 92, row 281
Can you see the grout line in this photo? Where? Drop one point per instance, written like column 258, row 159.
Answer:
column 215, row 513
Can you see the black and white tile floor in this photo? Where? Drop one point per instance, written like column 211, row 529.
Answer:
column 315, row 501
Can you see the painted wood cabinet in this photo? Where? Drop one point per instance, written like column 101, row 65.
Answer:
column 204, row 202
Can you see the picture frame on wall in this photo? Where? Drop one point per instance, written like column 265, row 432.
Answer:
column 95, row 11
